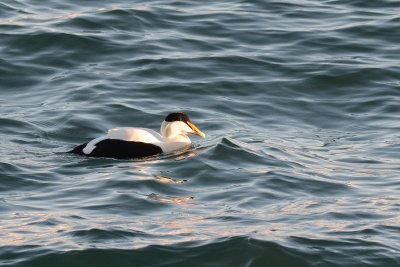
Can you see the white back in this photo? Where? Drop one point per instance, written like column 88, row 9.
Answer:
column 135, row 134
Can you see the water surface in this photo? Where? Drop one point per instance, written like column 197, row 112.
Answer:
column 299, row 101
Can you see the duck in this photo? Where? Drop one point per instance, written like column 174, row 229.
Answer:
column 132, row 142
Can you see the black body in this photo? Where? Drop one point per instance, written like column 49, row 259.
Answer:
column 120, row 149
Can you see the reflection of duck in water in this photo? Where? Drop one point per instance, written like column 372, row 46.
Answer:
column 128, row 143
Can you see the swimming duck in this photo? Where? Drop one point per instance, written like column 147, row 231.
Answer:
column 129, row 143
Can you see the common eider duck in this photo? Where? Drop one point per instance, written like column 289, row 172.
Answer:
column 130, row 143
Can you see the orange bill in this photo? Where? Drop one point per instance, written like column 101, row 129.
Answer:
column 195, row 129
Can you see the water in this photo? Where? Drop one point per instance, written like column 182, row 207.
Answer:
column 299, row 101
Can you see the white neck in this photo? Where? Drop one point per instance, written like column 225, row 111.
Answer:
column 175, row 131
column 175, row 134
column 180, row 138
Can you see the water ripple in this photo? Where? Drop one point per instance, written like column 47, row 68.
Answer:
column 298, row 99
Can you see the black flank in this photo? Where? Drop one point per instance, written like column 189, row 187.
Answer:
column 120, row 149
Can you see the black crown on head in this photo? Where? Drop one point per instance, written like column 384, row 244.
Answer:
column 178, row 116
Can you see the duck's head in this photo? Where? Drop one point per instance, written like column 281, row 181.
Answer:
column 178, row 125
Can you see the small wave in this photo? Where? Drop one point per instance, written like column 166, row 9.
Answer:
column 237, row 153
column 102, row 235
column 236, row 251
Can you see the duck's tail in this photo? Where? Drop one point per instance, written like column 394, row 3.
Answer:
column 78, row 150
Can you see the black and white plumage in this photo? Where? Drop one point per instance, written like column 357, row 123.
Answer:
column 129, row 143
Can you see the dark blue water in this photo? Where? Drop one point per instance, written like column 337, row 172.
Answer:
column 299, row 101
